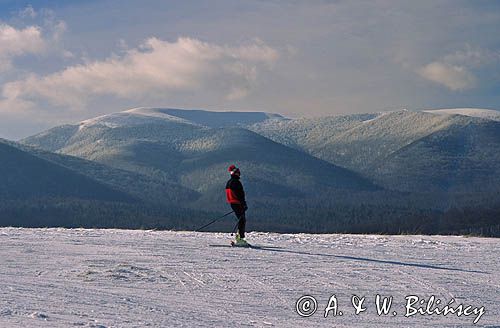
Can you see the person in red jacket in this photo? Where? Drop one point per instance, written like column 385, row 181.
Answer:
column 236, row 198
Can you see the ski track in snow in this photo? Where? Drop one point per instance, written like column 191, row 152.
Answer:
column 123, row 278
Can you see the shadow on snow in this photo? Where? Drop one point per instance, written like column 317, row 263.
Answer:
column 345, row 257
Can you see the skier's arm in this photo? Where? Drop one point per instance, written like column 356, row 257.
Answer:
column 241, row 195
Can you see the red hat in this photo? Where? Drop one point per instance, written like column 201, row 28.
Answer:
column 234, row 170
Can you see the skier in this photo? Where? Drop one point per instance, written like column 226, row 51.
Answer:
column 236, row 197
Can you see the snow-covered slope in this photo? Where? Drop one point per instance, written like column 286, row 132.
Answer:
column 471, row 112
column 356, row 141
column 309, row 134
column 58, row 137
column 120, row 278
column 131, row 117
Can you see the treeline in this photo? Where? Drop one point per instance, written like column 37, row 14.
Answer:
column 77, row 213
column 472, row 221
column 376, row 219
column 284, row 216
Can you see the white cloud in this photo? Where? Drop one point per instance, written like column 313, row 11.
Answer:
column 152, row 71
column 16, row 42
column 13, row 105
column 451, row 76
column 455, row 70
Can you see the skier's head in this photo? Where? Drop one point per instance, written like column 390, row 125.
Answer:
column 233, row 170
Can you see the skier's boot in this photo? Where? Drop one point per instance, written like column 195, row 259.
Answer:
column 240, row 241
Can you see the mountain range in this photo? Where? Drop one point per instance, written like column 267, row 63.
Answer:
column 163, row 144
column 414, row 151
column 317, row 172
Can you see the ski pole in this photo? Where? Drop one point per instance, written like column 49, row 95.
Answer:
column 213, row 221
column 235, row 226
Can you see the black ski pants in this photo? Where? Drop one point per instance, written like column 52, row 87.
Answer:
column 239, row 210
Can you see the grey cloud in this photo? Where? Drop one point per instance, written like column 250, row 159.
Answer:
column 154, row 70
column 17, row 42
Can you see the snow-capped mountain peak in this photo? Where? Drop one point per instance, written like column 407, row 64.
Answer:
column 131, row 117
column 142, row 115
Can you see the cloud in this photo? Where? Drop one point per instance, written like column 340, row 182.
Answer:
column 455, row 70
column 153, row 70
column 453, row 77
column 17, row 42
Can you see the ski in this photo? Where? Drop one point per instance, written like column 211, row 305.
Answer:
column 268, row 248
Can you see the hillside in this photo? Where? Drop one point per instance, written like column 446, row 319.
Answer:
column 356, row 141
column 44, row 189
column 309, row 134
column 462, row 158
column 24, row 176
column 140, row 186
column 374, row 145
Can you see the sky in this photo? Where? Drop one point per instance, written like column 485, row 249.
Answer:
column 65, row 61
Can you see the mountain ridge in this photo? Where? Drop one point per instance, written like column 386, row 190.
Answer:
column 193, row 155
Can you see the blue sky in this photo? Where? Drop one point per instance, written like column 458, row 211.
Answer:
column 64, row 61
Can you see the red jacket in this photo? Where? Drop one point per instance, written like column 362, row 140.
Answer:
column 234, row 191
